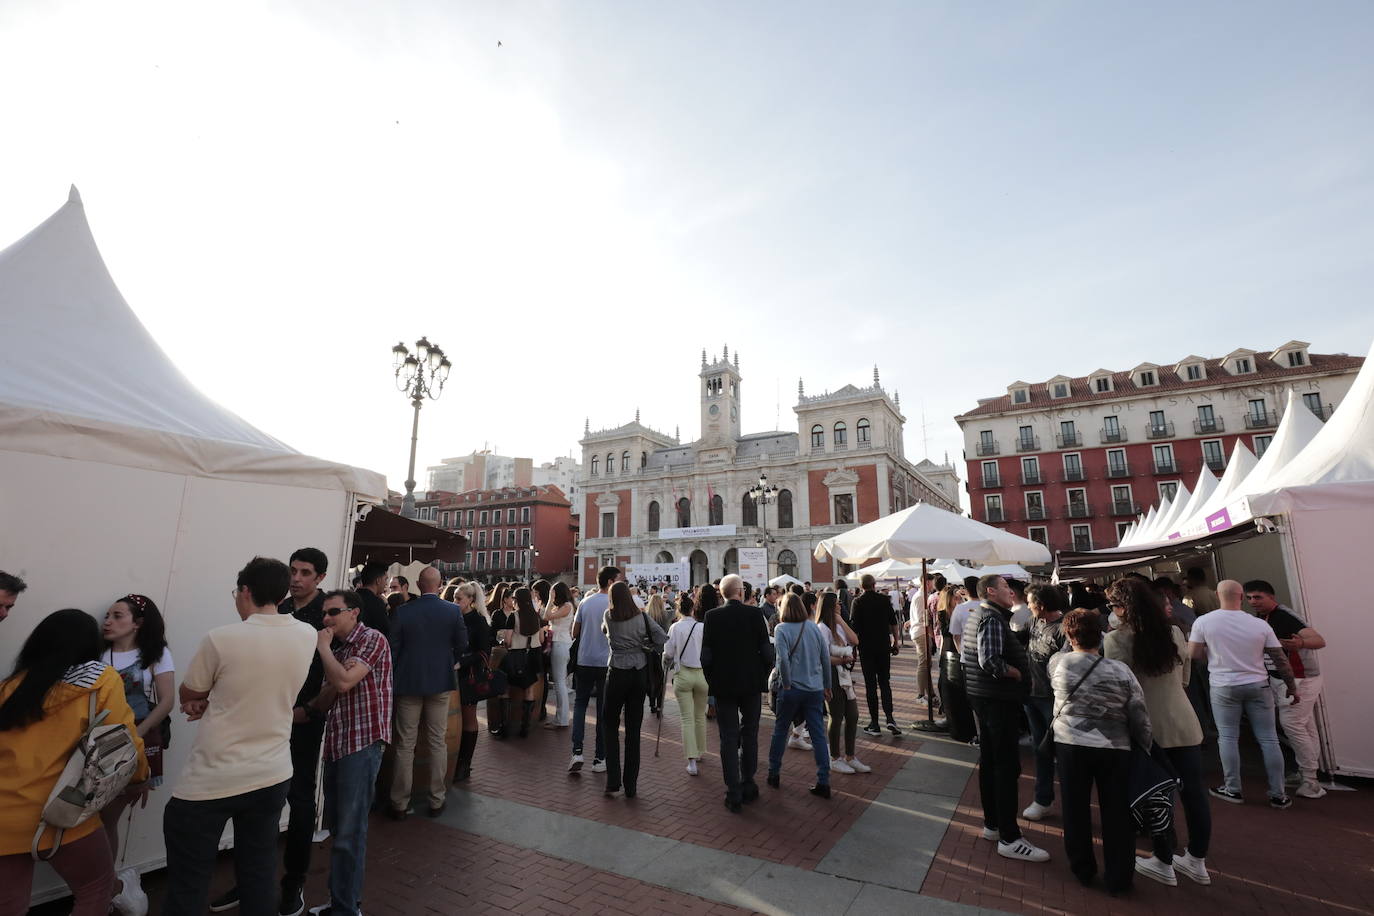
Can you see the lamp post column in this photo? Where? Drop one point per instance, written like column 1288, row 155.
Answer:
column 408, row 503
column 420, row 375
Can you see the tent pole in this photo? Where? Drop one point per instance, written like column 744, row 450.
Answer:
column 929, row 725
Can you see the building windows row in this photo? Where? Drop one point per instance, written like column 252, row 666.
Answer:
column 625, row 460
column 715, row 511
column 863, row 434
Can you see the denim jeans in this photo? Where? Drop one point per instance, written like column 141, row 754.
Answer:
column 589, row 682
column 1039, row 712
column 349, row 784
column 191, row 830
column 811, row 705
column 1256, row 701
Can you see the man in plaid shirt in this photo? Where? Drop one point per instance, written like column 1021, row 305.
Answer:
column 357, row 669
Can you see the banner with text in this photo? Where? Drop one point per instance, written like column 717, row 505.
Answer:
column 705, row 531
column 753, row 566
column 678, row 575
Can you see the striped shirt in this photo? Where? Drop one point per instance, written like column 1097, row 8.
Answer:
column 361, row 717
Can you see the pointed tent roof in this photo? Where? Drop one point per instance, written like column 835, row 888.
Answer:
column 84, row 379
column 1299, row 427
column 1202, row 491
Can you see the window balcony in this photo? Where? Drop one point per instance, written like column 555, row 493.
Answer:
column 1028, row 444
column 1035, row 513
column 1031, row 478
column 1124, row 507
column 1166, row 467
column 1261, row 419
column 994, row 515
column 1216, row 464
column 988, row 448
column 1077, row 510
column 1209, row 427
column 991, row 480
column 1323, row 412
column 1112, row 435
column 1074, row 474
column 1118, row 470
column 1159, row 430
column 1069, row 440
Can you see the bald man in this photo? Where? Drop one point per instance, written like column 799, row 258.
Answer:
column 427, row 638
column 1235, row 644
column 736, row 657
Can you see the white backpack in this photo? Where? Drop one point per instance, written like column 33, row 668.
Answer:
column 99, row 768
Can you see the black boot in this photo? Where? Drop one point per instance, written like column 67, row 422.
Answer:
column 502, row 717
column 526, row 710
column 466, row 746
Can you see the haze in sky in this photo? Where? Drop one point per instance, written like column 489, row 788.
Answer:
column 964, row 194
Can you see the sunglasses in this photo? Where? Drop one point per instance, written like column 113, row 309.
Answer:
column 335, row 611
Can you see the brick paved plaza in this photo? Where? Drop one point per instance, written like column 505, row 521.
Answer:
column 525, row 837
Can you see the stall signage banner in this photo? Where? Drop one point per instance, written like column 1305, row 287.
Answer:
column 678, row 575
column 753, row 566
column 705, row 531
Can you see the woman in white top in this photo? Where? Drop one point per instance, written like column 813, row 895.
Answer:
column 136, row 648
column 683, row 654
column 844, row 703
column 558, row 613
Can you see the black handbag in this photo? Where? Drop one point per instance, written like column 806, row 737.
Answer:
column 1151, row 783
column 653, row 656
column 1046, row 745
column 480, row 681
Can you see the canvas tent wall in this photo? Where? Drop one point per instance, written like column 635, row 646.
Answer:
column 119, row 476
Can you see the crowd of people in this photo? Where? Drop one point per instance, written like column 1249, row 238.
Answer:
column 317, row 684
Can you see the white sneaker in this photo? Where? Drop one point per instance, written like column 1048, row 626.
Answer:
column 691, row 768
column 320, row 836
column 990, row 833
column 575, row 765
column 839, row 766
column 1156, row 870
column 1196, row 869
column 1034, row 811
column 1310, row 789
column 1022, row 849
column 131, row 901
column 859, row 766
column 798, row 743
column 598, row 765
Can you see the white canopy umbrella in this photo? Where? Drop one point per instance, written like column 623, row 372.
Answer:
column 887, row 569
column 784, row 580
column 955, row 571
column 923, row 531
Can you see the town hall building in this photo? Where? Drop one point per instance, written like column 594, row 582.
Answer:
column 649, row 498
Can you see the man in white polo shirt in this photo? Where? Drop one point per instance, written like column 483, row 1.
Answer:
column 1235, row 645
column 241, row 685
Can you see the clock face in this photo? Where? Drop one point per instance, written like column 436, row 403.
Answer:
column 714, row 410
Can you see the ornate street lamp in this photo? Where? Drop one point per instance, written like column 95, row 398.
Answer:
column 419, row 375
column 763, row 493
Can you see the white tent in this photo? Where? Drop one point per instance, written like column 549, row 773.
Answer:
column 784, row 580
column 887, row 570
column 121, row 477
column 922, row 531
column 954, row 571
column 1203, row 489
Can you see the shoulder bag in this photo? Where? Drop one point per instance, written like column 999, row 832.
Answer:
column 481, row 681
column 1046, row 745
column 653, row 658
column 775, row 684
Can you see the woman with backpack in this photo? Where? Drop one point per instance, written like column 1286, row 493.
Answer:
column 44, row 712
column 136, row 648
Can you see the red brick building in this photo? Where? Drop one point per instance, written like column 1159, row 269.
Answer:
column 1070, row 462
column 513, row 532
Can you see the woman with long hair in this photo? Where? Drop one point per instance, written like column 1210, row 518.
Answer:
column 501, row 606
column 136, row 648
column 1157, row 652
column 524, row 661
column 542, row 591
column 631, row 635
column 708, row 599
column 558, row 613
column 683, row 655
column 844, row 702
column 470, row 600
column 659, row 614
column 44, row 711
column 1047, row 607
column 803, row 660
column 958, row 714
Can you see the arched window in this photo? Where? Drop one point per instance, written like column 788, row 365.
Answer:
column 684, row 513
column 863, row 432
column 717, row 513
column 730, row 562
column 625, row 461
column 644, row 459
column 663, row 557
column 841, row 434
column 749, row 510
column 610, row 463
column 818, row 436
column 653, row 515
column 787, row 563
column 596, row 464
column 784, row 508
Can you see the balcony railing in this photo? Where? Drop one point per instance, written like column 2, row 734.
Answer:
column 1124, row 507
column 992, row 480
column 1077, row 510
column 1159, row 430
column 1207, row 427
column 1323, row 412
column 1082, row 543
column 1035, row 513
column 1112, row 435
column 1118, row 470
column 988, row 448
column 995, row 515
column 1069, row 440
column 1028, row 444
column 1261, row 419
column 1216, row 464
column 1031, row 478
column 1166, row 467
column 1074, row 474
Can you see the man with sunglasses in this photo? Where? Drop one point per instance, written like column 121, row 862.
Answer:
column 1300, row 643
column 357, row 666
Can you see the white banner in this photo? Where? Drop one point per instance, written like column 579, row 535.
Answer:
column 677, row 575
column 753, row 566
column 706, row 531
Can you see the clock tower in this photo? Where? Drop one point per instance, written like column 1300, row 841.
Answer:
column 720, row 402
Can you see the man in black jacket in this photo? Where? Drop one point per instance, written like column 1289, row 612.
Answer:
column 736, row 657
column 875, row 623
column 996, row 677
column 371, row 587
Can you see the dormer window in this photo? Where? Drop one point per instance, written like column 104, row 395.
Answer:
column 1020, row 395
column 1244, row 366
column 1102, row 384
column 1193, row 372
column 1058, row 387
column 1296, row 358
column 1147, row 378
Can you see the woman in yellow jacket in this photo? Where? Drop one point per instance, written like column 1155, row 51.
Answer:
column 44, row 710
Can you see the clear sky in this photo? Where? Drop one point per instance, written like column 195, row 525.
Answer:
column 963, row 193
